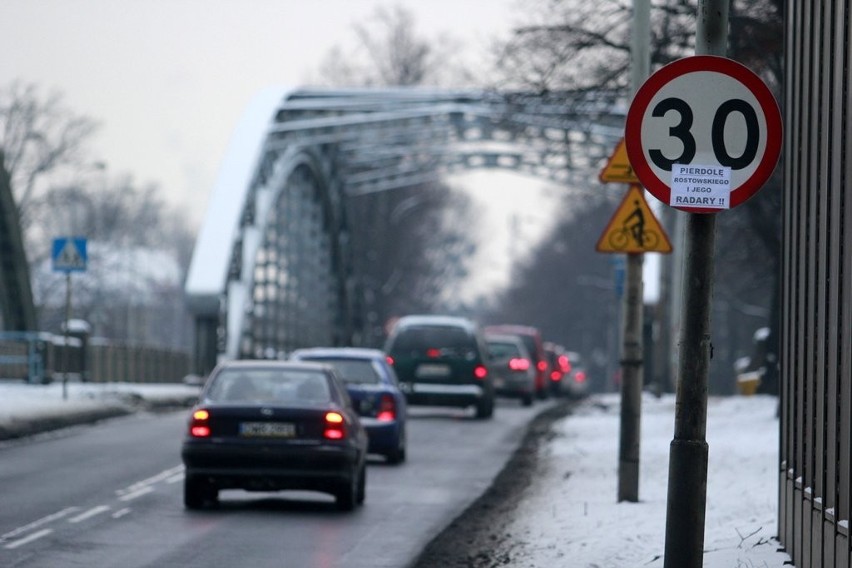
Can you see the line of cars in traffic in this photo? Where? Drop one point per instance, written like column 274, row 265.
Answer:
column 309, row 422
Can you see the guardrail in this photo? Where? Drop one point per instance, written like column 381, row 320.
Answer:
column 40, row 358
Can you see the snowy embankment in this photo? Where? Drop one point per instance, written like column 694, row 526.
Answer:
column 570, row 515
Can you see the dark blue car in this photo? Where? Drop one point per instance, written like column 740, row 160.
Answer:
column 375, row 394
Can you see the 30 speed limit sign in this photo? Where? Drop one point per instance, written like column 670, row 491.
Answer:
column 703, row 134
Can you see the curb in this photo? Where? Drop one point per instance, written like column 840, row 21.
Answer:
column 23, row 427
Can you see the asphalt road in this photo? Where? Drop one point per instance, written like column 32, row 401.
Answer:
column 111, row 495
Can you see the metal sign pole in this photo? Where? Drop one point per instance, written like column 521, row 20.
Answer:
column 687, row 488
column 65, row 350
column 632, row 349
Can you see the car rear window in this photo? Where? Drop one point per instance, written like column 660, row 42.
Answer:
column 503, row 350
column 272, row 386
column 352, row 371
column 420, row 339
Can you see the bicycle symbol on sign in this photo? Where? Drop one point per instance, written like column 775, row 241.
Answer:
column 633, row 230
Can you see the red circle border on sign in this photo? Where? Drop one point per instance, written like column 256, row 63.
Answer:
column 702, row 63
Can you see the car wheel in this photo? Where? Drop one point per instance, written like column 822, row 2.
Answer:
column 346, row 495
column 527, row 399
column 485, row 407
column 397, row 455
column 196, row 492
column 362, row 485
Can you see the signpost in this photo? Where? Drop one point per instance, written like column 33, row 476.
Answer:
column 69, row 255
column 703, row 135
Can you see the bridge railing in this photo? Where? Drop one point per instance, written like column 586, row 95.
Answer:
column 40, row 358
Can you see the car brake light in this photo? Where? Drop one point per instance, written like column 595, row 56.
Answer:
column 564, row 363
column 555, row 376
column 387, row 409
column 198, row 426
column 334, row 426
column 389, row 359
column 519, row 364
column 480, row 372
column 433, row 353
column 580, row 377
column 541, row 365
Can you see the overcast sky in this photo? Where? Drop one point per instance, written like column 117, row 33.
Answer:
column 168, row 79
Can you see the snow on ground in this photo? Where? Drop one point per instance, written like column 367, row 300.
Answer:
column 27, row 409
column 571, row 517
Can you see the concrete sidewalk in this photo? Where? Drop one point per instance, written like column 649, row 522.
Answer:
column 27, row 409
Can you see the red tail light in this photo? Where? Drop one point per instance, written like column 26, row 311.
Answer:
column 387, row 409
column 541, row 366
column 334, row 426
column 198, row 425
column 555, row 376
column 580, row 377
column 519, row 364
column 390, row 360
column 480, row 372
column 433, row 353
column 564, row 363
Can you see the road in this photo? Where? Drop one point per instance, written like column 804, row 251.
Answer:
column 111, row 495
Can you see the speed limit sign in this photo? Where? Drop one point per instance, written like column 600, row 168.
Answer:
column 703, row 134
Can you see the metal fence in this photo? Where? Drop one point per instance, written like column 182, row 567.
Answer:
column 44, row 357
column 816, row 343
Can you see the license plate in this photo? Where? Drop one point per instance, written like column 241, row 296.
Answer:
column 268, row 429
column 431, row 370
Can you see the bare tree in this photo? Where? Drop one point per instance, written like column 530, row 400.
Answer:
column 409, row 244
column 388, row 50
column 39, row 137
column 139, row 251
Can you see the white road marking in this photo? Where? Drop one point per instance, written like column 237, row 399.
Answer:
column 35, row 524
column 175, row 478
column 29, row 539
column 120, row 513
column 137, row 493
column 89, row 514
column 135, row 487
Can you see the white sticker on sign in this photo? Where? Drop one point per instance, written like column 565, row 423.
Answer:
column 700, row 186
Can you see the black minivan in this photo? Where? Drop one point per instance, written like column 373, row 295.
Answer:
column 442, row 361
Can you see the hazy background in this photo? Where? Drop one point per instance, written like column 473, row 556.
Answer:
column 167, row 81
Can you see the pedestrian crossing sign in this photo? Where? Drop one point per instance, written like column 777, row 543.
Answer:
column 69, row 254
column 634, row 228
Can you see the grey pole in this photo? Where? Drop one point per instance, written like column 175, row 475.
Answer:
column 687, row 489
column 631, row 352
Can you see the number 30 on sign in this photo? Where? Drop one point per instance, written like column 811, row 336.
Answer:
column 703, row 134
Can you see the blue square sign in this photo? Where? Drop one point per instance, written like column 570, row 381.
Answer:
column 69, row 254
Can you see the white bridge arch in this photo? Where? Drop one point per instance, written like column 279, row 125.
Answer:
column 271, row 270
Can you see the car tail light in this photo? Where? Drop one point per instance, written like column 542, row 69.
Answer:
column 519, row 364
column 555, row 376
column 387, row 409
column 580, row 377
column 433, row 353
column 480, row 372
column 564, row 363
column 199, row 426
column 334, row 426
column 541, row 366
column 390, row 360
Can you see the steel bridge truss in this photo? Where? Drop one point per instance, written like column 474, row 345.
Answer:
column 271, row 270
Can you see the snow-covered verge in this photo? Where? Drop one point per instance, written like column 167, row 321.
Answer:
column 29, row 409
column 570, row 515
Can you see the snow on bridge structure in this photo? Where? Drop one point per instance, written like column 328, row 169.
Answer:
column 272, row 271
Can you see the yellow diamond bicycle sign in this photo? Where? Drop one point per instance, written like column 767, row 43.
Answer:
column 634, row 228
